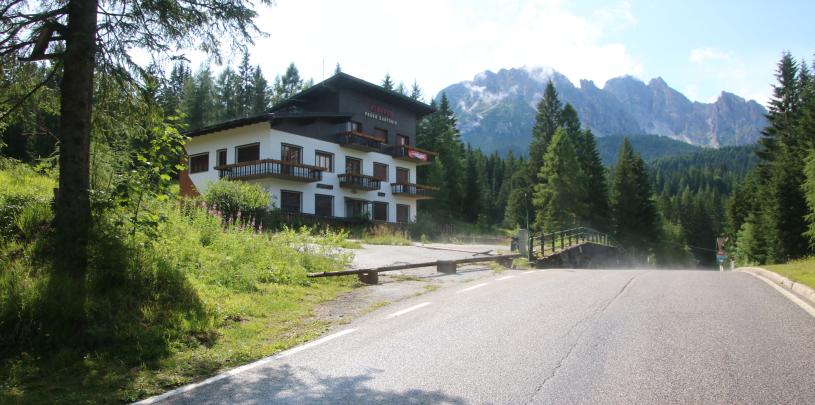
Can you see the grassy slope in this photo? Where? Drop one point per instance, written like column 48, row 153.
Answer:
column 275, row 318
column 199, row 299
column 801, row 271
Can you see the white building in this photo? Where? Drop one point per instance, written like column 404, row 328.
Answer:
column 340, row 149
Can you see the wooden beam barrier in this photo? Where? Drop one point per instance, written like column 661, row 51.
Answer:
column 371, row 276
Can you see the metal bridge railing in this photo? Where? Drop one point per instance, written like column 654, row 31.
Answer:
column 548, row 244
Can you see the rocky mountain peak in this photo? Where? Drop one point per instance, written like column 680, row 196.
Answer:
column 496, row 110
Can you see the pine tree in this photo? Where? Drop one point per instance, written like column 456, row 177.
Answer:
column 172, row 94
column 387, row 82
column 400, row 88
column 635, row 221
column 438, row 132
column 416, row 91
column 592, row 166
column 259, row 96
column 472, row 202
column 809, row 193
column 243, row 88
column 228, row 95
column 288, row 85
column 560, row 196
column 547, row 119
column 200, row 104
column 783, row 149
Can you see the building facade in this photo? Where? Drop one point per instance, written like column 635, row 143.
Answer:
column 344, row 148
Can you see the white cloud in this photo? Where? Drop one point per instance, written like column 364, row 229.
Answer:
column 700, row 55
column 439, row 43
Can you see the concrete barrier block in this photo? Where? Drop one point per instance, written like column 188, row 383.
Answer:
column 446, row 266
column 371, row 277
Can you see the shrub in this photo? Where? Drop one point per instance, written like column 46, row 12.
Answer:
column 233, row 196
column 23, row 192
column 383, row 235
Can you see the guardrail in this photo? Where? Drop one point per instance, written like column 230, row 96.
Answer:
column 554, row 242
column 371, row 275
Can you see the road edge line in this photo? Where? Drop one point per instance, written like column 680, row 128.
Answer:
column 784, row 286
column 237, row 370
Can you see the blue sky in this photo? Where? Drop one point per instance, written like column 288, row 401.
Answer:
column 699, row 47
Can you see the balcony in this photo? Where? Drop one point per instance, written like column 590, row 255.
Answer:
column 359, row 181
column 271, row 168
column 360, row 141
column 413, row 190
column 413, row 154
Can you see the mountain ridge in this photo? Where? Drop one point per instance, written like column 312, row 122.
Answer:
column 496, row 110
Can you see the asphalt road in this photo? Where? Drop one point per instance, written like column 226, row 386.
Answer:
column 554, row 336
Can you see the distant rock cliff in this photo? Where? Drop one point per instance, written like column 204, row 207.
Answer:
column 496, row 111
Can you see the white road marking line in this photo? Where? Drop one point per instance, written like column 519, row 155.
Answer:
column 406, row 310
column 314, row 343
column 473, row 287
column 792, row 297
column 504, row 278
column 243, row 368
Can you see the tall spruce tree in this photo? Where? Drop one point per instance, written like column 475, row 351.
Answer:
column 635, row 220
column 415, row 91
column 259, row 94
column 782, row 152
column 473, row 178
column 387, row 82
column 547, row 119
column 592, row 166
column 228, row 89
column 560, row 196
column 287, row 85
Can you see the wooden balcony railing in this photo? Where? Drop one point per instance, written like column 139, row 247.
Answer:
column 359, row 181
column 413, row 190
column 361, row 141
column 271, row 168
column 413, row 154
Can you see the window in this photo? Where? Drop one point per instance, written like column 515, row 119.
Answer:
column 199, row 163
column 402, row 175
column 381, row 171
column 221, row 157
column 353, row 165
column 402, row 140
column 291, row 153
column 324, row 160
column 290, row 201
column 380, row 211
column 354, row 126
column 402, row 213
column 357, row 208
column 247, row 153
column 323, row 205
column 381, row 134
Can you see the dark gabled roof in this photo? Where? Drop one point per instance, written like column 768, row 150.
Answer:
column 267, row 117
column 344, row 80
column 309, row 115
column 230, row 124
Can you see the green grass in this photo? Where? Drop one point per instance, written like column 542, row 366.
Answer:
column 801, row 271
column 164, row 306
column 260, row 323
column 381, row 235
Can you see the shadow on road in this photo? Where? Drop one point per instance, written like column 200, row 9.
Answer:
column 300, row 385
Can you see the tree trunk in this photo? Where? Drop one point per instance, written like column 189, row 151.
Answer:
column 73, row 211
